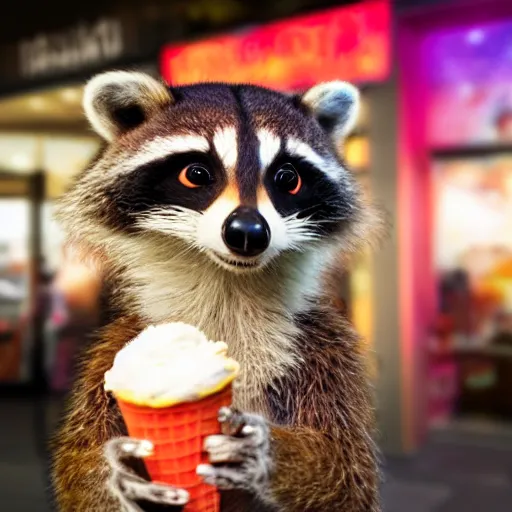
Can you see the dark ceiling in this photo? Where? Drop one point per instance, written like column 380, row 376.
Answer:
column 22, row 18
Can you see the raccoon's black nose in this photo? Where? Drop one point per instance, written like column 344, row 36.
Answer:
column 246, row 232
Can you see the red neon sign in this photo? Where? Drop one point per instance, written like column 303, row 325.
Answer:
column 349, row 43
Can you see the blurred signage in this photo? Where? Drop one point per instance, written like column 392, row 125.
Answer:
column 349, row 43
column 82, row 46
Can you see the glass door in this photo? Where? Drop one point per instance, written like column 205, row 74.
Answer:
column 19, row 270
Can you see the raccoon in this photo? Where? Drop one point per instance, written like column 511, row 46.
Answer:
column 226, row 207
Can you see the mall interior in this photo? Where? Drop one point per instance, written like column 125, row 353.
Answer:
column 432, row 146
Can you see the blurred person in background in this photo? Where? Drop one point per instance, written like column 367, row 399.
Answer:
column 75, row 315
column 503, row 125
column 503, row 326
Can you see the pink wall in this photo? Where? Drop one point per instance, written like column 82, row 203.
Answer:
column 417, row 295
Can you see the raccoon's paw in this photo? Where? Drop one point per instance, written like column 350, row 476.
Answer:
column 134, row 493
column 240, row 457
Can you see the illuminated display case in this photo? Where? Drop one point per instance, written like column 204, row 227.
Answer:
column 470, row 137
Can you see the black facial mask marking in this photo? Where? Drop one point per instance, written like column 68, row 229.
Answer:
column 203, row 109
column 157, row 184
column 319, row 198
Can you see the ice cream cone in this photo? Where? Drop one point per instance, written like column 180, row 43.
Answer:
column 177, row 433
column 170, row 382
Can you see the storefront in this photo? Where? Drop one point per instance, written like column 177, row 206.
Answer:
column 390, row 296
column 456, row 183
column 30, row 241
column 48, row 307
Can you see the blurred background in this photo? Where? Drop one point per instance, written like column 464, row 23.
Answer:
column 433, row 145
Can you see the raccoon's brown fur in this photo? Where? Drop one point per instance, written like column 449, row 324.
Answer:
column 92, row 418
column 321, row 439
column 302, row 369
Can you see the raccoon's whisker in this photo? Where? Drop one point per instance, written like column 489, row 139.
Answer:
column 300, row 230
column 294, row 217
column 310, row 210
column 331, row 220
column 175, row 220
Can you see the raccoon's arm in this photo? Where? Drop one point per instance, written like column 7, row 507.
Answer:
column 80, row 472
column 324, row 459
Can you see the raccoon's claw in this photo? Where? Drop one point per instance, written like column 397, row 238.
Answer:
column 131, row 489
column 132, row 492
column 134, row 447
column 232, row 421
column 222, row 477
column 244, row 446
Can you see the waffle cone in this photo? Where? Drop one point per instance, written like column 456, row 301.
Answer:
column 177, row 434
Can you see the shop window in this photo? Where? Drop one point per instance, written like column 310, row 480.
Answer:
column 14, row 290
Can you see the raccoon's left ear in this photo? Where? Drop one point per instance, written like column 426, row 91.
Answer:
column 118, row 101
column 335, row 105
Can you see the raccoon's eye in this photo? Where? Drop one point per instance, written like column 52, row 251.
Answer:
column 195, row 175
column 288, row 180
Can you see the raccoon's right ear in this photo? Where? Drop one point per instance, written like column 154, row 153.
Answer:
column 335, row 105
column 118, row 101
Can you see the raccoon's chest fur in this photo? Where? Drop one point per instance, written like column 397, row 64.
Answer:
column 252, row 313
column 259, row 336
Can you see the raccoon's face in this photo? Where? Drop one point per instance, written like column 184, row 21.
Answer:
column 240, row 173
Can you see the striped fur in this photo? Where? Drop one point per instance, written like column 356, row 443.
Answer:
column 164, row 243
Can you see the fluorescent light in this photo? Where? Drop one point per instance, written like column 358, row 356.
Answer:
column 476, row 36
column 36, row 103
column 20, row 161
column 71, row 95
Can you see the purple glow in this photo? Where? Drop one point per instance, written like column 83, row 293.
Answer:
column 476, row 36
column 475, row 54
column 469, row 74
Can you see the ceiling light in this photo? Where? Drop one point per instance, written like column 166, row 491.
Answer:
column 71, row 95
column 476, row 36
column 20, row 162
column 36, row 103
